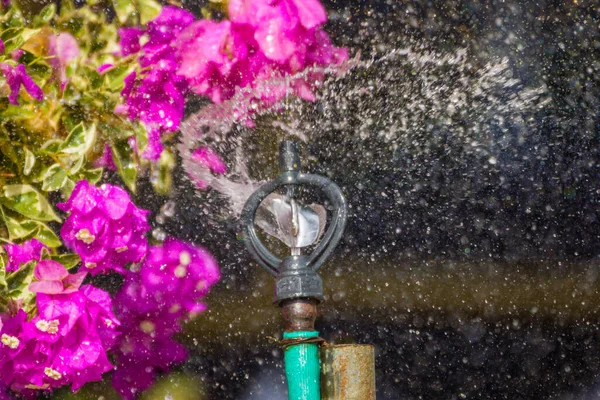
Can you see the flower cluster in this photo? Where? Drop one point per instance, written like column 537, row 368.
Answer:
column 66, row 341
column 262, row 39
column 152, row 303
column 104, row 227
column 17, row 77
column 157, row 97
column 19, row 254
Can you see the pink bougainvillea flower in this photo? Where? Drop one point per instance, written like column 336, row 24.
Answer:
column 17, row 76
column 2, row 48
column 158, row 101
column 19, row 254
column 106, row 159
column 208, row 54
column 62, row 49
column 130, row 40
column 309, row 13
column 156, row 98
column 16, row 54
column 264, row 41
column 164, row 29
column 175, row 274
column 152, row 303
column 53, row 278
column 66, row 340
column 141, row 357
column 179, row 274
column 279, row 26
column 104, row 227
column 210, row 160
column 103, row 68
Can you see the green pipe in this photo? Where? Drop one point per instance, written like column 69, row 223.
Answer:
column 302, row 367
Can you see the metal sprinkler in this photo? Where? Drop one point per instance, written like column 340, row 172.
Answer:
column 298, row 287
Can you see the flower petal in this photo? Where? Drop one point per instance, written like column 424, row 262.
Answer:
column 47, row 287
column 49, row 270
column 115, row 201
column 30, row 86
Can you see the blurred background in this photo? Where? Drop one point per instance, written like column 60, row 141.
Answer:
column 467, row 145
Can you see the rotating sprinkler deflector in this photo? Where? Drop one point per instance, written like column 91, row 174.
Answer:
column 298, row 287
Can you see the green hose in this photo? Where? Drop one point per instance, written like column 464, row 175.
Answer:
column 302, row 367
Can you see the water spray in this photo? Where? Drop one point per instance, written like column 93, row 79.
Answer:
column 298, row 288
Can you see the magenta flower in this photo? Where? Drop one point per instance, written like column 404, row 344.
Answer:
column 62, row 49
column 2, row 48
column 152, row 303
column 164, row 29
column 17, row 76
column 179, row 274
column 19, row 254
column 65, row 342
column 130, row 40
column 53, row 278
column 174, row 276
column 158, row 101
column 264, row 40
column 16, row 54
column 213, row 57
column 106, row 159
column 104, row 227
column 156, row 98
column 279, row 26
column 103, row 68
column 140, row 357
column 309, row 13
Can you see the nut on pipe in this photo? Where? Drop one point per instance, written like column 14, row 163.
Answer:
column 299, row 314
column 348, row 372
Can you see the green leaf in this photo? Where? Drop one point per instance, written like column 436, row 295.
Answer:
column 46, row 15
column 148, row 9
column 47, row 236
column 67, row 6
column 123, row 8
column 116, row 76
column 141, row 137
column 2, row 276
column 126, row 166
column 27, row 201
column 18, row 112
column 68, row 260
column 18, row 281
column 9, row 152
column 52, row 146
column 67, row 188
column 163, row 171
column 93, row 175
column 29, row 161
column 80, row 140
column 19, row 229
column 76, row 166
column 54, row 178
column 16, row 38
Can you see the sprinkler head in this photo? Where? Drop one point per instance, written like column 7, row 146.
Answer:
column 297, row 226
